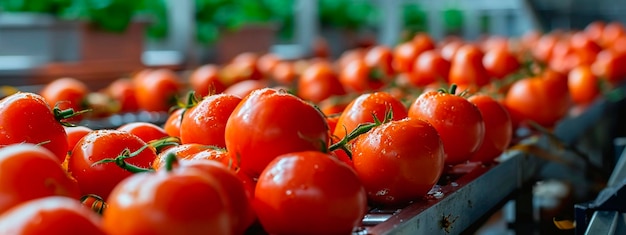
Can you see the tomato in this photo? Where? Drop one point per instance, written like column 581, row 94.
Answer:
column 144, row 130
column 364, row 108
column 267, row 62
column 393, row 168
column 458, row 121
column 184, row 202
column 236, row 197
column 423, row 41
column 500, row 62
column 466, row 68
column 284, row 72
column 498, row 128
column 380, row 58
column 429, row 67
column 584, row 47
column 205, row 79
column 123, row 91
column 239, row 70
column 216, row 154
column 27, row 118
column 609, row 66
column 29, row 172
column 158, row 90
column 309, row 193
column 50, row 215
column 404, row 56
column 172, row 124
column 449, row 49
column 243, row 88
column 334, row 105
column 100, row 178
column 358, row 77
column 541, row 99
column 205, row 123
column 74, row 134
column 583, row 85
column 611, row 32
column 349, row 56
column 183, row 152
column 66, row 93
column 271, row 122
column 318, row 82
column 594, row 30
column 543, row 50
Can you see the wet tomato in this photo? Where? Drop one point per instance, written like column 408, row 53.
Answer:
column 398, row 161
column 144, row 130
column 183, row 151
column 498, row 128
column 205, row 123
column 309, row 193
column 172, row 124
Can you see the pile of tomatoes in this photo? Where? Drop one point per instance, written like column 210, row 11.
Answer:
column 293, row 147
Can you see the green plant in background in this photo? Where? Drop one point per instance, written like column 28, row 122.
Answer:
column 348, row 14
column 415, row 20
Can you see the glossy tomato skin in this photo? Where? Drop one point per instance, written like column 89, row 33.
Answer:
column 538, row 99
column 29, row 172
column 157, row 90
column 358, row 77
column 458, row 122
column 205, row 79
column 186, row 202
column 284, row 72
column 466, row 68
column 398, row 161
column 144, row 130
column 583, row 85
column 123, row 90
column 498, row 128
column 429, row 67
column 66, row 93
column 500, row 62
column 362, row 109
column 309, row 193
column 380, row 57
column 51, row 215
column 74, row 134
column 271, row 122
column 205, row 123
column 97, row 145
column 183, row 151
column 243, row 88
column 319, row 82
column 27, row 118
column 172, row 124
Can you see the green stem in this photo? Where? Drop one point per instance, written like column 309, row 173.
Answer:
column 120, row 161
column 359, row 130
column 451, row 91
column 170, row 160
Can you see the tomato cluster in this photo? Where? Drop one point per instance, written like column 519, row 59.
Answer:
column 296, row 147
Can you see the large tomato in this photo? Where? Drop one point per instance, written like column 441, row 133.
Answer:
column 27, row 118
column 172, row 124
column 271, row 122
column 100, row 178
column 498, row 128
column 457, row 120
column 29, row 172
column 398, row 161
column 309, row 193
column 205, row 123
column 169, row 201
column 51, row 215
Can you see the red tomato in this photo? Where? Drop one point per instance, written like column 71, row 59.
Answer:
column 363, row 108
column 50, row 215
column 358, row 77
column 609, row 65
column 157, row 91
column 319, row 82
column 74, row 134
column 381, row 58
column 393, row 169
column 186, row 202
column 543, row 50
column 500, row 62
column 29, row 172
column 583, row 85
column 449, row 49
column 243, row 88
column 172, row 124
column 27, row 118
column 239, row 70
column 205, row 79
column 429, row 67
column 144, row 130
column 123, row 91
column 205, row 123
column 612, row 31
column 458, row 121
column 309, row 193
column 100, row 179
column 267, row 62
column 404, row 56
column 466, row 68
column 284, row 72
column 183, row 151
column 594, row 31
column 66, row 93
column 498, row 128
column 217, row 155
column 270, row 122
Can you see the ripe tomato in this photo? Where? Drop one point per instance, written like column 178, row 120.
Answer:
column 271, row 122
column 66, row 93
column 157, row 90
column 144, row 130
column 217, row 155
column 123, row 91
column 449, row 49
column 284, row 72
column 172, row 124
column 609, row 65
column 594, row 30
column 100, row 178
column 611, row 32
column 393, row 169
column 458, row 121
column 364, row 108
column 429, row 67
column 498, row 128
column 205, row 123
column 381, row 58
column 27, row 118
column 309, row 193
column 50, row 215
column 466, row 68
column 334, row 105
column 74, row 134
column 500, row 62
column 239, row 70
column 186, row 202
column 543, row 50
column 28, row 172
column 404, row 56
column 359, row 78
column 319, row 82
column 267, row 62
column 583, row 85
column 584, row 47
column 349, row 56
column 183, row 151
column 205, row 79
column 243, row 88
